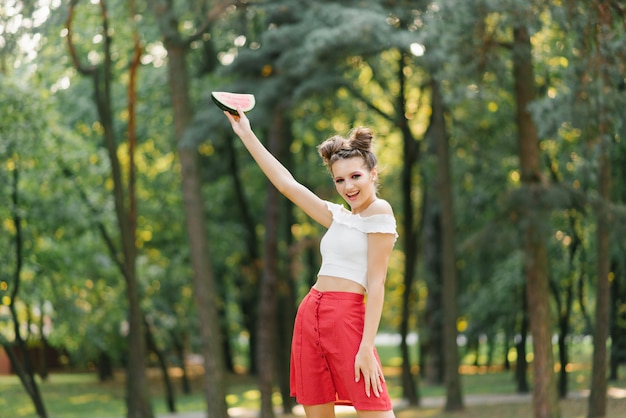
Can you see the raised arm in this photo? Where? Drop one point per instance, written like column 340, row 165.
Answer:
column 277, row 174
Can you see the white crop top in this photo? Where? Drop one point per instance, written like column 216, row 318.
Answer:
column 344, row 245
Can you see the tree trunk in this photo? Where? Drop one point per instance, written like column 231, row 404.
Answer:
column 617, row 328
column 564, row 318
column 286, row 287
column 563, row 355
column 564, row 308
column 598, row 395
column 431, row 332
column 506, row 363
column 26, row 375
column 170, row 399
column 204, row 282
column 137, row 399
column 521, row 365
column 410, row 156
column 454, row 398
column 410, row 385
column 104, row 366
column 251, row 272
column 490, row 342
column 179, row 349
column 582, row 297
column 25, row 369
column 286, row 314
column 618, row 287
column 545, row 400
column 267, row 296
column 44, row 370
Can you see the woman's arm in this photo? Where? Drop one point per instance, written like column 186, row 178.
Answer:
column 277, row 174
column 378, row 253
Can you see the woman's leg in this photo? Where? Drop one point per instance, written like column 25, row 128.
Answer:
column 325, row 410
column 376, row 414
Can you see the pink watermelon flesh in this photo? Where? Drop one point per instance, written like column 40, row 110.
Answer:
column 231, row 101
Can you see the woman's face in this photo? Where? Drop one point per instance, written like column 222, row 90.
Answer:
column 355, row 182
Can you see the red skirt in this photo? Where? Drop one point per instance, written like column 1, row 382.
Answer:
column 327, row 334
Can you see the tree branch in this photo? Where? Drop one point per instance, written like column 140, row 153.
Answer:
column 82, row 69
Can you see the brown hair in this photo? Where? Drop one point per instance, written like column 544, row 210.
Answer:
column 358, row 144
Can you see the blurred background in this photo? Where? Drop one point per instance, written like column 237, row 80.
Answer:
column 144, row 256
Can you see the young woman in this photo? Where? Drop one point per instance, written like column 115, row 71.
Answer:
column 333, row 359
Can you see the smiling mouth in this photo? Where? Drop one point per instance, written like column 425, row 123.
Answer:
column 353, row 195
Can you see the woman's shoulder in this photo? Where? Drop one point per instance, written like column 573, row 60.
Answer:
column 378, row 207
column 378, row 218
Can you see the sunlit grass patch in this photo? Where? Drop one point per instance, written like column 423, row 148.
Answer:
column 88, row 398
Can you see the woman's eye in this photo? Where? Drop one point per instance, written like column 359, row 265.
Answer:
column 356, row 176
column 339, row 181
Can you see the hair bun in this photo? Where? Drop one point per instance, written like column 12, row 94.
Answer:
column 361, row 138
column 358, row 144
column 330, row 147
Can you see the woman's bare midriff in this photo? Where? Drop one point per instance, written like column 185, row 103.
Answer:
column 337, row 284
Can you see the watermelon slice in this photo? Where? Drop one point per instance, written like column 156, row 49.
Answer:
column 230, row 101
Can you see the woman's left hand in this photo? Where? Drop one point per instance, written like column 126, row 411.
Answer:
column 365, row 364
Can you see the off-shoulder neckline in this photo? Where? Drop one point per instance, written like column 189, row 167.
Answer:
column 358, row 215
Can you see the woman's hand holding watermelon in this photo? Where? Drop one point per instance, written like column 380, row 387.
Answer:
column 234, row 106
column 240, row 123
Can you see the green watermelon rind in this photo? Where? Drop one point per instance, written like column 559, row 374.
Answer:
column 220, row 97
